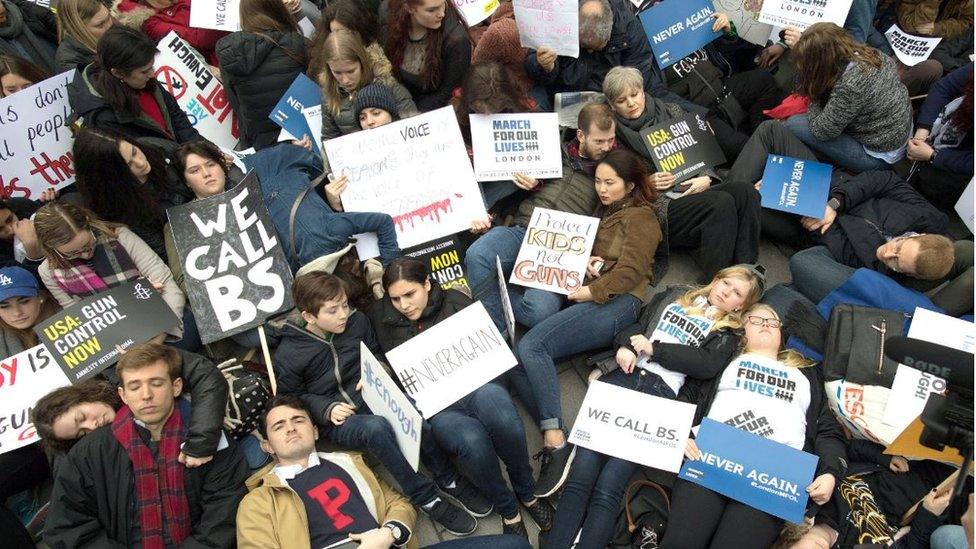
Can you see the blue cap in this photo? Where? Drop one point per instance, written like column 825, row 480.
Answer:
column 17, row 282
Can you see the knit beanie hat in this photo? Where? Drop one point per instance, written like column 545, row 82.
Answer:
column 376, row 96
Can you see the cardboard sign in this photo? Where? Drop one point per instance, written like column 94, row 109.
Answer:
column 631, row 425
column 35, row 141
column 555, row 251
column 235, row 271
column 506, row 144
column 751, row 469
column 83, row 337
column 803, row 13
column 795, row 186
column 676, row 29
column 745, row 16
column 184, row 73
column 909, row 48
column 552, row 24
column 964, row 206
column 416, row 170
column 684, row 146
column 24, row 379
column 445, row 261
column 222, row 15
column 303, row 93
column 506, row 302
column 475, row 11
column 386, row 400
column 450, row 360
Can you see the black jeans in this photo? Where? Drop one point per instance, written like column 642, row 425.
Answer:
column 756, row 91
column 702, row 518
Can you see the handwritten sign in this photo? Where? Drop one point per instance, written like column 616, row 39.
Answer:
column 445, row 260
column 416, row 170
column 552, row 24
column 909, row 48
column 803, row 13
column 184, row 73
column 451, row 359
column 24, row 379
column 35, row 141
column 555, row 251
column 475, row 11
column 676, row 29
column 289, row 112
column 223, row 15
column 386, row 400
column 685, row 147
column 795, row 186
column 745, row 16
column 506, row 144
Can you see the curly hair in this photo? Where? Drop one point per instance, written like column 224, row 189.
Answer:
column 52, row 405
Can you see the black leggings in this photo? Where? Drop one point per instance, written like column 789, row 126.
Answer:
column 702, row 518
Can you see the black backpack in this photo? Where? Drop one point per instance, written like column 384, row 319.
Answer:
column 644, row 517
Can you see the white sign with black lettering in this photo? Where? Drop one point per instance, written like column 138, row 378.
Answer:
column 386, row 400
column 506, row 302
column 909, row 48
column 224, row 15
column 803, row 13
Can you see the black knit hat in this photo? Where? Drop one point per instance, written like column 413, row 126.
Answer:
column 376, row 96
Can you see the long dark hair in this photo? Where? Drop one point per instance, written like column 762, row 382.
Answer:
column 405, row 268
column 632, row 169
column 59, row 401
column 492, row 86
column 822, row 54
column 350, row 14
column 262, row 16
column 124, row 49
column 399, row 36
column 12, row 64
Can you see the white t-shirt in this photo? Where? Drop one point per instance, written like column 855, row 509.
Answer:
column 764, row 397
column 675, row 326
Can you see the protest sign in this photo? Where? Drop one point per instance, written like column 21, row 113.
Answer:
column 83, row 337
column 744, row 14
column 445, row 260
column 288, row 113
column 964, row 206
column 803, row 13
column 506, row 144
column 795, row 186
column 24, row 379
column 683, row 146
column 555, row 251
column 909, row 48
column 416, row 170
column 184, row 73
column 222, row 15
column 475, row 11
column 386, row 400
column 235, row 271
column 506, row 302
column 676, row 29
column 313, row 118
column 751, row 469
column 451, row 359
column 631, row 425
column 552, row 24
column 35, row 141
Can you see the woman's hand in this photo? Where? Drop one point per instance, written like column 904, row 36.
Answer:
column 922, row 134
column 698, row 185
column 341, row 412
column 812, row 224
column 525, row 182
column 937, row 503
column 481, row 225
column 898, row 464
column 822, row 488
column 293, row 6
column 48, row 195
column 626, row 359
column 641, row 344
column 377, row 538
column 791, row 35
column 661, row 181
column 770, row 55
column 919, row 150
column 721, row 22
column 334, row 189
column 305, row 142
column 581, row 295
column 192, row 462
column 546, row 58
column 692, row 453
column 591, row 266
column 926, row 29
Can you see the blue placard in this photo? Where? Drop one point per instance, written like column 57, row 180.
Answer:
column 677, row 28
column 795, row 186
column 302, row 93
column 769, row 476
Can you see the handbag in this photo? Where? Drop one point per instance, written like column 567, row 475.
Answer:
column 247, row 396
column 642, row 522
column 726, row 105
column 856, row 341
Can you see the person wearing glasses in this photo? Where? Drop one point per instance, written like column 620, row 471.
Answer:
column 770, row 392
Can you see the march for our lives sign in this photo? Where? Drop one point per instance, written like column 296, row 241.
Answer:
column 302, row 93
column 759, row 472
column 795, row 186
column 677, row 28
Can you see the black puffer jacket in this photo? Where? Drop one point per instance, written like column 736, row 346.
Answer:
column 394, row 329
column 256, row 72
column 41, row 22
column 72, row 53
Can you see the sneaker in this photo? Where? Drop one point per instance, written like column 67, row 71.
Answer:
column 554, row 469
column 469, row 497
column 452, row 518
column 542, row 512
column 515, row 529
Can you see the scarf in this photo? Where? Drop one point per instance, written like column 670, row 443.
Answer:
column 19, row 36
column 159, row 482
column 109, row 266
column 655, row 112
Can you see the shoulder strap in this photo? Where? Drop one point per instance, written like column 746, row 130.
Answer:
column 637, row 485
column 292, row 249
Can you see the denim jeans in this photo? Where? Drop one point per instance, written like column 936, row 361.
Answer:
column 191, row 333
column 860, row 20
column 529, row 305
column 481, row 428
column 596, row 483
column 949, row 536
column 493, row 191
column 577, row 328
column 843, row 151
column 816, row 273
column 254, row 455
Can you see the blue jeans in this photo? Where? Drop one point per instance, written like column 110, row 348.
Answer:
column 949, row 536
column 501, row 541
column 816, row 273
column 529, row 305
column 577, row 328
column 843, row 151
column 596, row 483
column 481, row 428
column 860, row 20
column 255, row 457
column 493, row 191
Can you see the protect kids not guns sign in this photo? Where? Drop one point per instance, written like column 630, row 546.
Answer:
column 24, row 379
column 555, row 251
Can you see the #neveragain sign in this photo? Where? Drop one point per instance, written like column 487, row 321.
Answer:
column 555, row 251
column 506, row 144
column 552, row 24
column 416, row 170
column 634, row 426
column 223, row 15
column 803, row 13
column 909, row 48
column 451, row 359
column 751, row 469
column 386, row 400
column 795, row 186
column 24, row 379
column 677, row 29
column 35, row 141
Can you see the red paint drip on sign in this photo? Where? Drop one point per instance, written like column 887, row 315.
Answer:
column 431, row 211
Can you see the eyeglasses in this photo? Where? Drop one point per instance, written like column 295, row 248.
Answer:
column 88, row 249
column 760, row 321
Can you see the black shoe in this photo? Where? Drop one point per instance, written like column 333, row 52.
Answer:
column 469, row 497
column 554, row 469
column 454, row 519
column 542, row 512
column 515, row 529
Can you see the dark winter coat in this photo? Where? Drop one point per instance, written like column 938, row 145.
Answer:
column 393, row 329
column 958, row 159
column 455, row 60
column 573, row 193
column 39, row 21
column 72, row 53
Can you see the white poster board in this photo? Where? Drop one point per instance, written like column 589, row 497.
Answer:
column 745, row 16
column 35, row 141
column 450, row 360
column 631, row 425
column 909, row 48
column 386, row 400
column 183, row 72
column 552, row 24
column 555, row 251
column 803, row 13
column 964, row 206
column 416, row 170
column 222, row 15
column 24, row 379
column 506, row 144
column 475, row 11
column 506, row 302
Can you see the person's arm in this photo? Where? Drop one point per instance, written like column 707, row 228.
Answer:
column 920, row 533
column 220, row 495
column 952, row 27
column 843, row 106
column 455, row 60
column 535, row 71
column 255, row 520
column 201, row 39
column 208, row 392
column 642, row 234
column 866, row 451
column 398, row 508
column 702, row 362
column 830, row 443
column 926, row 218
column 382, row 225
column 64, row 298
column 914, row 15
column 152, row 267
column 173, row 256
column 292, row 382
column 72, row 520
column 649, row 316
column 946, row 89
column 183, row 130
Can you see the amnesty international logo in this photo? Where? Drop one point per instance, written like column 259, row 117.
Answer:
column 141, row 292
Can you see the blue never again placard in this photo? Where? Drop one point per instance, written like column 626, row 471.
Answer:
column 302, row 93
column 759, row 472
column 677, row 28
column 796, row 186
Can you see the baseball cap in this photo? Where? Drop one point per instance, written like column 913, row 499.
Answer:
column 17, row 282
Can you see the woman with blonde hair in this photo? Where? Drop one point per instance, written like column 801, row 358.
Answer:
column 80, row 24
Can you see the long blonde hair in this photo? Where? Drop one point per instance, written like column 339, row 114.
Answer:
column 788, row 357
column 57, row 223
column 72, row 17
column 728, row 319
column 343, row 45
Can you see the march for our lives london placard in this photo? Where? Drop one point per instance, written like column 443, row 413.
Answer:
column 796, row 186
